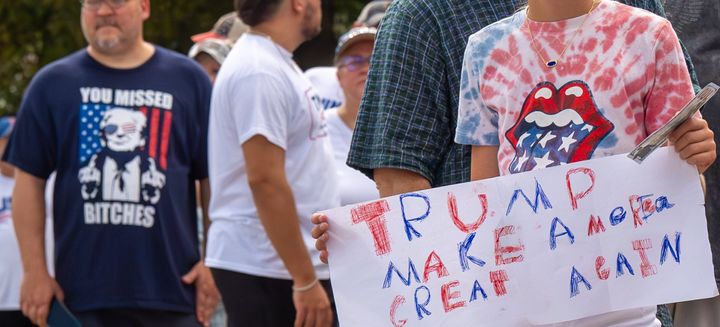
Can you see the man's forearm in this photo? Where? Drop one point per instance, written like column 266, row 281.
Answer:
column 28, row 210
column 394, row 181
column 205, row 205
column 276, row 207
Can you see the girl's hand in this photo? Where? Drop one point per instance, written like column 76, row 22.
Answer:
column 695, row 143
column 320, row 234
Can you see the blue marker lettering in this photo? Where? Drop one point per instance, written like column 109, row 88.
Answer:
column 575, row 279
column 420, row 308
column 553, row 236
column 540, row 197
column 663, row 203
column 409, row 229
column 622, row 261
column 477, row 288
column 617, row 216
column 463, row 249
column 405, row 280
column 666, row 246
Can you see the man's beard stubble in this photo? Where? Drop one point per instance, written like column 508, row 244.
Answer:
column 308, row 29
column 106, row 45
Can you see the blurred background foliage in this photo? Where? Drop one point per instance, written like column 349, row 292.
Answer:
column 36, row 32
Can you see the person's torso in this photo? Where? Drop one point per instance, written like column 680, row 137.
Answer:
column 325, row 81
column 591, row 104
column 10, row 265
column 354, row 187
column 126, row 159
column 308, row 158
column 455, row 21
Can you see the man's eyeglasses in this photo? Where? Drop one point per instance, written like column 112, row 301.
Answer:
column 353, row 63
column 94, row 5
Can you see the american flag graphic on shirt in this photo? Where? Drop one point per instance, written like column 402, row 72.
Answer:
column 157, row 133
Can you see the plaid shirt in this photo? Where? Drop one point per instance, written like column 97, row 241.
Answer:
column 408, row 114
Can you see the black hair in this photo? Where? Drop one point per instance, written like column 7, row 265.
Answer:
column 254, row 12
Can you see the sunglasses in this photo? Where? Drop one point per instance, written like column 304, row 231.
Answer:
column 353, row 63
column 94, row 5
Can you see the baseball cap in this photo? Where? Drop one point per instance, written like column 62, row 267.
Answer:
column 229, row 26
column 216, row 48
column 6, row 126
column 373, row 12
column 353, row 36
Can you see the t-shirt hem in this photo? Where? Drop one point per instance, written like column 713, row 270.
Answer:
column 265, row 132
column 472, row 142
column 250, row 270
column 9, row 307
column 130, row 304
column 28, row 168
column 368, row 168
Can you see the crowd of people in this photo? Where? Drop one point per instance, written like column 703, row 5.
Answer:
column 142, row 187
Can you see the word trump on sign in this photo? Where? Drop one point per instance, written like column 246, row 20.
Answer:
column 540, row 247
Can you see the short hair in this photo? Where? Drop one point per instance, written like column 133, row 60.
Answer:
column 254, row 12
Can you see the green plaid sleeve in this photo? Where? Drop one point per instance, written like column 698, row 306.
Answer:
column 406, row 95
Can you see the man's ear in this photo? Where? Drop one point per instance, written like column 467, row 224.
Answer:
column 145, row 7
column 298, row 6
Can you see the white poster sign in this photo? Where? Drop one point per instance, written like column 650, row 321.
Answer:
column 534, row 248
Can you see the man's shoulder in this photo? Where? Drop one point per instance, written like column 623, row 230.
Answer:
column 636, row 19
column 176, row 62
column 426, row 6
column 252, row 65
column 498, row 30
column 64, row 67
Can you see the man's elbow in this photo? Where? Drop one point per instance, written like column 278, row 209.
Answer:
column 393, row 181
column 264, row 182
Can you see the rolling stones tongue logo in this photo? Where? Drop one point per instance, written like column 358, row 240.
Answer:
column 557, row 126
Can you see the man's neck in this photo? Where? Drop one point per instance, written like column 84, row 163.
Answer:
column 557, row 10
column 280, row 35
column 132, row 58
column 348, row 112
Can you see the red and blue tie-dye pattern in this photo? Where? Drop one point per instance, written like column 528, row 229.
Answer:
column 622, row 77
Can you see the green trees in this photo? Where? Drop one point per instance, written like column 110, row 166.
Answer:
column 36, row 32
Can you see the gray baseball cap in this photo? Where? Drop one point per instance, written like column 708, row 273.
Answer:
column 353, row 36
column 373, row 12
column 217, row 49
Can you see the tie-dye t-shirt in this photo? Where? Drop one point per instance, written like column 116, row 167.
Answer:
column 622, row 76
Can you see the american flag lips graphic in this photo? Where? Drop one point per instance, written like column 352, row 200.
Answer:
column 556, row 126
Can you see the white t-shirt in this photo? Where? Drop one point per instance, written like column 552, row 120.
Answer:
column 260, row 91
column 325, row 81
column 355, row 187
column 11, row 271
column 10, row 264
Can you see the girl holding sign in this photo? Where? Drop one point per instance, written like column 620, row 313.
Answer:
column 568, row 80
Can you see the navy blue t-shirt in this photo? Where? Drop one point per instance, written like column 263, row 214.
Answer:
column 127, row 145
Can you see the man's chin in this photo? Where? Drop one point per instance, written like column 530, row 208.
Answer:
column 107, row 45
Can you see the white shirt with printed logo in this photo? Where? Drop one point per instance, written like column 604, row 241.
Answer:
column 260, row 91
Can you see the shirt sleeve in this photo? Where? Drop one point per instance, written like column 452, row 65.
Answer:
column 477, row 123
column 403, row 121
column 656, row 7
column 671, row 85
column 32, row 145
column 261, row 107
column 200, row 157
